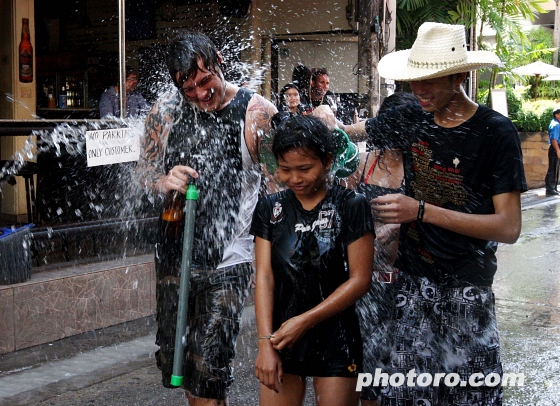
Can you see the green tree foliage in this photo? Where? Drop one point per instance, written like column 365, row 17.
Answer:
column 412, row 13
column 535, row 116
column 505, row 17
column 539, row 46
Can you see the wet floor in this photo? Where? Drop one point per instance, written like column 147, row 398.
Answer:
column 115, row 366
column 527, row 289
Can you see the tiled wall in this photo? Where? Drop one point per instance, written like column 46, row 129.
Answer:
column 535, row 157
column 57, row 304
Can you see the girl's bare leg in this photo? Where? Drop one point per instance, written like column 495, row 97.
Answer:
column 334, row 391
column 292, row 392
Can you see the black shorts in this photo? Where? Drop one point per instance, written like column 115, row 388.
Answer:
column 216, row 301
column 333, row 348
column 335, row 366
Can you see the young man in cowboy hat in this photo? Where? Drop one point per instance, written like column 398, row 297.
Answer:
column 464, row 175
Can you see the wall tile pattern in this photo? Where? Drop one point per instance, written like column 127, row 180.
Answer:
column 58, row 304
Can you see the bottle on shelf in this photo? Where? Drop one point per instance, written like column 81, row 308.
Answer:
column 25, row 54
column 51, row 101
column 63, row 98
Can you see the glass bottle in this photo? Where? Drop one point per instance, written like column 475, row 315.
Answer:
column 51, row 101
column 173, row 214
column 63, row 98
column 25, row 54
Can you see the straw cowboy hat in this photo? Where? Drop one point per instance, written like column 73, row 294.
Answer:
column 439, row 50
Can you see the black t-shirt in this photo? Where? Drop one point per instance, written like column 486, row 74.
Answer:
column 460, row 169
column 328, row 99
column 310, row 257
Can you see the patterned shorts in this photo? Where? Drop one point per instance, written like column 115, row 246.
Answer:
column 443, row 329
column 216, row 301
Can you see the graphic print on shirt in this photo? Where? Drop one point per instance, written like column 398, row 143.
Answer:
column 323, row 226
column 277, row 213
column 437, row 183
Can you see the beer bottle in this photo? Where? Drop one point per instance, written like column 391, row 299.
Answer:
column 51, row 100
column 173, row 213
column 25, row 54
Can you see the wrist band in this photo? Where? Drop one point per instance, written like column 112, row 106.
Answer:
column 420, row 215
column 265, row 337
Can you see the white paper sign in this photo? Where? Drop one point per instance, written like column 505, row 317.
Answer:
column 499, row 101
column 112, row 146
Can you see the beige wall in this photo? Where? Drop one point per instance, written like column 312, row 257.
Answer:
column 297, row 22
column 299, row 17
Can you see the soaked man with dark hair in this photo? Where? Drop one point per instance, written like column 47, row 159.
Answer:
column 319, row 93
column 207, row 132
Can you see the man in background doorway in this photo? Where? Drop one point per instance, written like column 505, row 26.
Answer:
column 136, row 105
column 551, row 180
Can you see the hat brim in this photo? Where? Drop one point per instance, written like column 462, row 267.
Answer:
column 395, row 66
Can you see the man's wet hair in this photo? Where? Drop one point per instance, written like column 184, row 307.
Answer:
column 184, row 51
column 317, row 72
column 130, row 70
column 306, row 132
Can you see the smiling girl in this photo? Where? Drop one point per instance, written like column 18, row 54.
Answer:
column 314, row 249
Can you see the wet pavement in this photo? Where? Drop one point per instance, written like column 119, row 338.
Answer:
column 116, row 366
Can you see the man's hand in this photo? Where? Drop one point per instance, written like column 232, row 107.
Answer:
column 177, row 179
column 395, row 208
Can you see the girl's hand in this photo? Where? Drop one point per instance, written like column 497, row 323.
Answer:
column 268, row 367
column 289, row 333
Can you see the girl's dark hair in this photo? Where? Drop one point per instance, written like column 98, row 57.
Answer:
column 397, row 99
column 306, row 132
column 301, row 77
column 184, row 51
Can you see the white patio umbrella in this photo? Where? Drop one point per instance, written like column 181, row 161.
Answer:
column 537, row 69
